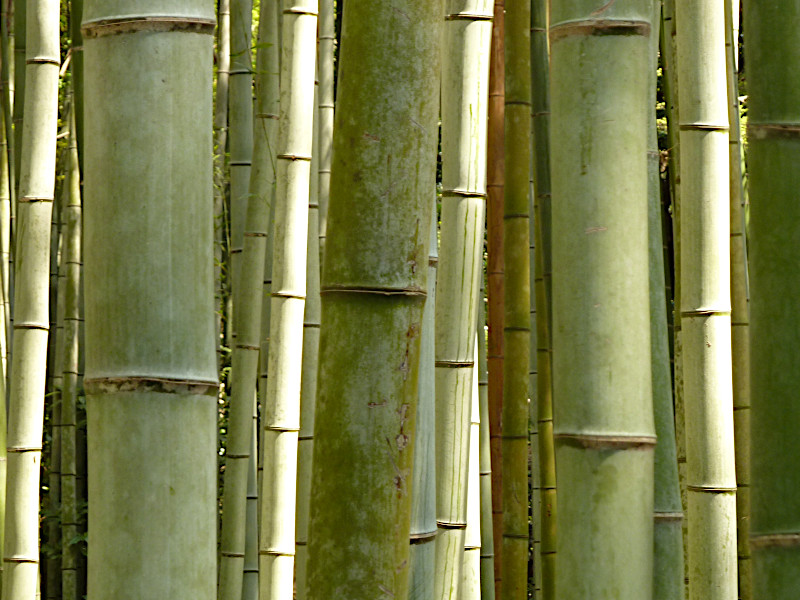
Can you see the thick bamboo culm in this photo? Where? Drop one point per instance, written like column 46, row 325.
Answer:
column 516, row 327
column 31, row 319
column 71, row 259
column 604, row 431
column 465, row 75
column 374, row 275
column 471, row 567
column 740, row 310
column 326, row 37
column 772, row 54
column 151, row 369
column 667, row 510
column 545, row 516
column 247, row 323
column 705, row 301
column 494, row 273
column 423, row 489
column 281, row 411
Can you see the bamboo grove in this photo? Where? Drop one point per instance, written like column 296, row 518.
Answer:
column 412, row 300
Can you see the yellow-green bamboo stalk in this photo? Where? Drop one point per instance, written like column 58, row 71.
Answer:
column 76, row 69
column 7, row 87
column 705, row 301
column 516, row 332
column 250, row 566
column 545, row 516
column 247, row 323
column 281, row 413
column 423, row 489
column 465, row 75
column 308, row 387
column 326, row 43
column 71, row 259
column 31, row 321
column 668, row 512
column 240, row 134
column 374, row 276
column 740, row 310
column 471, row 568
column 485, row 460
column 5, row 254
column 20, row 72
column 772, row 54
column 151, row 372
column 604, row 431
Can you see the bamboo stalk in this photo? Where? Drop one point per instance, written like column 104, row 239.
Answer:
column 151, row 373
column 374, row 274
column 604, row 431
column 705, row 301
column 220, row 143
column 471, row 569
column 326, row 44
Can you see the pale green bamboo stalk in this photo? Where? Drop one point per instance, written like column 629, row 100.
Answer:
column 71, row 259
column 76, row 71
column 20, row 72
column 31, row 321
column 374, row 285
column 740, row 310
column 471, row 569
column 5, row 232
column 485, row 460
column 516, row 246
column 465, row 75
column 667, row 510
column 281, row 413
column 705, row 301
column 546, row 500
column 604, row 431
column 247, row 325
column 326, row 44
column 151, row 372
column 772, row 54
column 423, row 488
column 220, row 163
column 240, row 142
column 7, row 86
column 308, row 386
column 250, row 566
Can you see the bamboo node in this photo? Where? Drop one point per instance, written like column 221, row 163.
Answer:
column 294, row 157
column 704, row 127
column 299, row 11
column 105, row 27
column 469, row 16
column 780, row 130
column 598, row 27
column 42, row 60
column 607, row 442
column 443, row 525
column 668, row 516
column 454, row 364
column 456, row 193
column 110, row 385
column 775, row 540
column 232, row 554
column 711, row 489
column 35, row 199
column 380, row 291
column 424, row 537
column 20, row 559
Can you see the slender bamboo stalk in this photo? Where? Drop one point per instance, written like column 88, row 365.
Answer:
column 5, row 216
column 247, row 324
column 308, row 386
column 471, row 569
column 76, row 71
column 604, row 431
column 423, row 488
column 772, row 54
column 250, row 566
column 495, row 176
column 545, row 517
column 383, row 172
column 326, row 44
column 485, row 460
column 281, row 418
column 516, row 332
column 31, row 321
column 151, row 374
column 20, row 72
column 740, row 312
column 668, row 512
column 465, row 74
column 71, row 258
column 705, row 301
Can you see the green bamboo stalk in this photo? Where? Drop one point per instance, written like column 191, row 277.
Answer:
column 668, row 512
column 705, row 301
column 240, row 134
column 465, row 74
column 20, row 72
column 7, row 87
column 740, row 311
column 485, row 464
column 471, row 567
column 5, row 232
column 495, row 177
column 326, row 43
column 281, row 413
column 308, row 386
column 771, row 56
column 516, row 332
column 247, row 323
column 374, row 274
column 423, row 488
column 604, row 431
column 76, row 71
column 545, row 516
column 71, row 259
column 31, row 321
column 250, row 566
column 151, row 374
